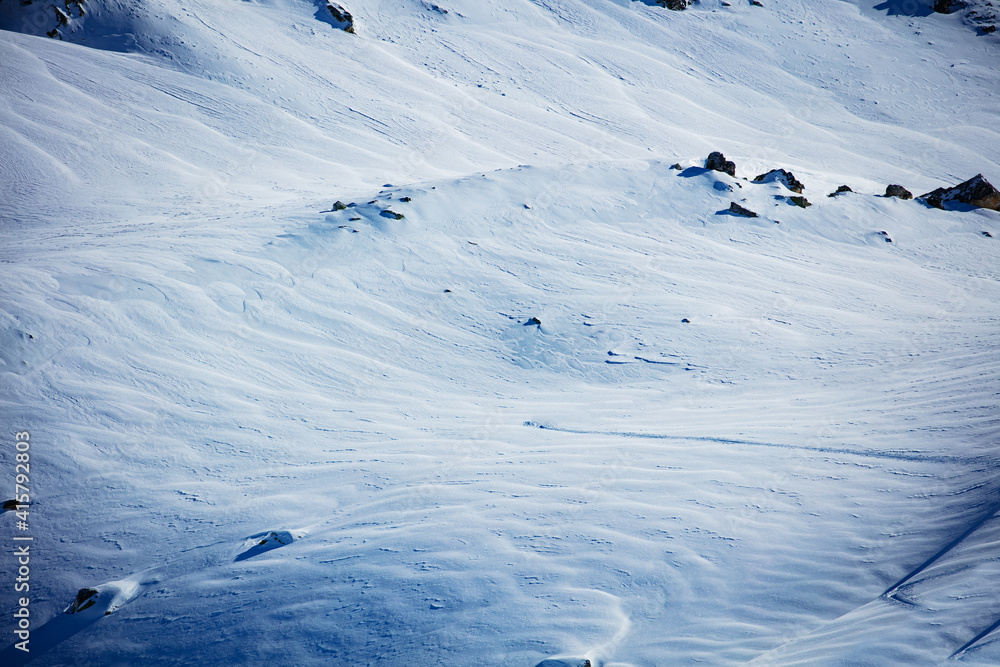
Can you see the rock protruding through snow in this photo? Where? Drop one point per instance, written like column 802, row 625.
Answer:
column 786, row 178
column 341, row 18
column 976, row 191
column 898, row 191
column 716, row 161
column 739, row 210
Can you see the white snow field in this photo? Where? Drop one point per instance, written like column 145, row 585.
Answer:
column 264, row 431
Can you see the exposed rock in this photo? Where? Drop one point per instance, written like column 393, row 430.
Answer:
column 786, row 178
column 392, row 215
column 801, row 202
column 534, row 321
column 565, row 662
column 261, row 543
column 686, row 321
column 898, row 191
column 755, row 3
column 677, row 166
column 976, row 191
column 842, row 189
column 405, row 199
column 716, row 161
column 278, row 537
column 85, row 599
column 339, row 205
column 343, row 17
column 949, row 6
column 886, row 235
column 676, row 5
column 739, row 210
column 11, row 505
column 987, row 235
column 58, row 19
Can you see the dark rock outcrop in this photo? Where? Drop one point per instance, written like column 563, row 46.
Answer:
column 58, row 19
column 801, row 202
column 341, row 17
column 85, row 599
column 842, row 189
column 739, row 210
column 392, row 215
column 949, row 6
column 786, row 178
column 716, row 161
column 898, row 191
column 676, row 5
column 976, row 191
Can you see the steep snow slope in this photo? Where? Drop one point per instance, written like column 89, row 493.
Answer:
column 262, row 431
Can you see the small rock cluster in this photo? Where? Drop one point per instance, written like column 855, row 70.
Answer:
column 976, row 192
column 980, row 13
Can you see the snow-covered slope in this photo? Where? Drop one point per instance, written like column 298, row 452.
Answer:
column 264, row 429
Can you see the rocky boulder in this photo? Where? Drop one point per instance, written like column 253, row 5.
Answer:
column 898, row 191
column 786, row 178
column 841, row 190
column 716, row 161
column 736, row 209
column 676, row 5
column 85, row 598
column 341, row 17
column 976, row 191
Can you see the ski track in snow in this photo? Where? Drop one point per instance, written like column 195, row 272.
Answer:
column 266, row 429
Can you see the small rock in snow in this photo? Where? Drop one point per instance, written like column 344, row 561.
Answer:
column 786, row 178
column 716, row 161
column 898, row 191
column 739, row 210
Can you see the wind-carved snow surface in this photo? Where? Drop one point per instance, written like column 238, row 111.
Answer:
column 533, row 394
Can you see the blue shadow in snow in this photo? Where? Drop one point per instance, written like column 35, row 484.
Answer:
column 43, row 639
column 691, row 172
column 906, row 7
